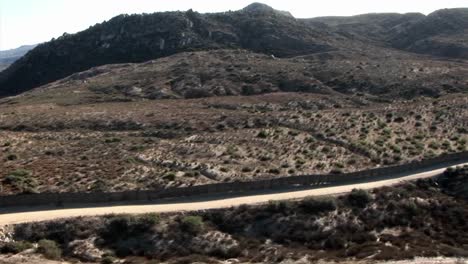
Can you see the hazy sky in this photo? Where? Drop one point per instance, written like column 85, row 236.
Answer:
column 33, row 21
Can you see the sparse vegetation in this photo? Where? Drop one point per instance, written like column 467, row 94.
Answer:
column 15, row 247
column 359, row 198
column 192, row 224
column 49, row 249
column 359, row 225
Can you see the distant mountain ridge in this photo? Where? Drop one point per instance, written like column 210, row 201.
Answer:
column 258, row 28
column 7, row 57
column 441, row 33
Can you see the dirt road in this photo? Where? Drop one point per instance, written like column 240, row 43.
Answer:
column 9, row 216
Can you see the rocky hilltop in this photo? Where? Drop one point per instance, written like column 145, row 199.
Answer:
column 137, row 38
column 258, row 28
column 441, row 33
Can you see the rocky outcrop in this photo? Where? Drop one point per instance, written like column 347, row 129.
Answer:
column 6, row 234
column 214, row 242
column 441, row 33
column 85, row 250
column 137, row 38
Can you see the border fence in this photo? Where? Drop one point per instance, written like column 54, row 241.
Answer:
column 305, row 181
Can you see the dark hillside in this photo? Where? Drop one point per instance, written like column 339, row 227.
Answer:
column 137, row 38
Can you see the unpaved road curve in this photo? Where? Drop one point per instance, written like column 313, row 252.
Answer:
column 9, row 216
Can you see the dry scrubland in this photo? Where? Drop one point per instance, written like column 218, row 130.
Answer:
column 47, row 147
column 419, row 219
column 182, row 98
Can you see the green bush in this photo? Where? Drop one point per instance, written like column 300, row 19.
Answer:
column 112, row 140
column 315, row 206
column 107, row 260
column 19, row 173
column 122, row 226
column 15, row 247
column 12, row 157
column 262, row 134
column 170, row 176
column 192, row 224
column 359, row 198
column 247, row 169
column 49, row 249
column 274, row 171
column 22, row 180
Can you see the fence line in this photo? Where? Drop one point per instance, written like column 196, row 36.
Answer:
column 318, row 180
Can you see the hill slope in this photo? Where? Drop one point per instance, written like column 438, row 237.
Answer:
column 258, row 28
column 138, row 38
column 441, row 33
column 227, row 72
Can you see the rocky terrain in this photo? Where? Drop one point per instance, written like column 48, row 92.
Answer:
column 121, row 39
column 441, row 33
column 258, row 28
column 240, row 72
column 424, row 218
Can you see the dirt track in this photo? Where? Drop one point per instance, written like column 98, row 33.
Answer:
column 9, row 216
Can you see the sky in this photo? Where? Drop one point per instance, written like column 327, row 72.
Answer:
column 34, row 21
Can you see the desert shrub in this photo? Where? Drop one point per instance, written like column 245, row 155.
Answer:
column 170, row 176
column 335, row 242
column 61, row 231
column 300, row 161
column 462, row 141
column 107, row 260
column 274, row 171
column 192, row 224
column 454, row 182
column 21, row 179
column 410, row 208
column 112, row 140
column 246, row 169
column 278, row 206
column 119, row 227
column 262, row 134
column 11, row 157
column 293, row 133
column 336, row 171
column 320, row 165
column 137, row 148
column 338, row 165
column 434, row 145
column 145, row 222
column 192, row 173
column 15, row 247
column 17, row 175
column 49, row 249
column 358, row 198
column 315, row 206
